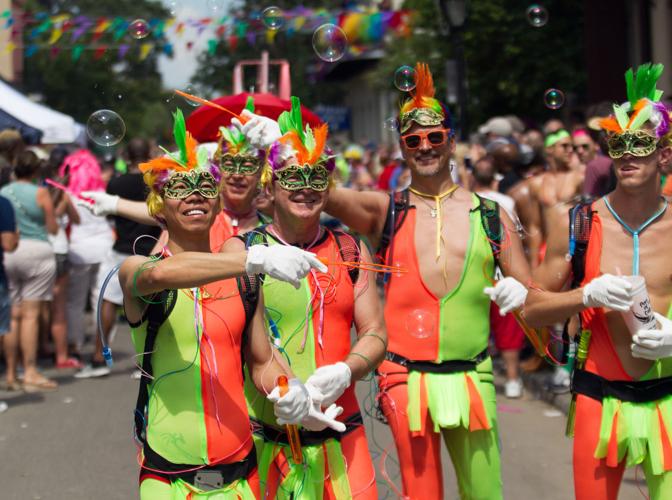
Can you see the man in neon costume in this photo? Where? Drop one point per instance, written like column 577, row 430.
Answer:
column 624, row 391
column 311, row 326
column 240, row 160
column 194, row 327
column 437, row 378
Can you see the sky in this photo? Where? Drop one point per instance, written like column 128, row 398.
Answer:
column 177, row 72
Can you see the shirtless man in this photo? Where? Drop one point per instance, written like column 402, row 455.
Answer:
column 436, row 312
column 624, row 390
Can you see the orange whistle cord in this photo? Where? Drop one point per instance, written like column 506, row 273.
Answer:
column 292, row 430
column 205, row 102
column 365, row 266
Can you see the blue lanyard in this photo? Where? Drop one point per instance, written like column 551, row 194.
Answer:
column 635, row 232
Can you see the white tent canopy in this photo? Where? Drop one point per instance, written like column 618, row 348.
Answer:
column 58, row 128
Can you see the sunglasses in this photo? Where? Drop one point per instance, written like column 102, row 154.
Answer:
column 638, row 143
column 579, row 147
column 239, row 164
column 435, row 138
column 565, row 146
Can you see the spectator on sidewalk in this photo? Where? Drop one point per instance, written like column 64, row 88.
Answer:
column 31, row 270
column 9, row 239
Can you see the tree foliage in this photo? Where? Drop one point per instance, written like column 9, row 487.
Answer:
column 79, row 87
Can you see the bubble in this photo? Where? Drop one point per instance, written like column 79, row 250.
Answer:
column 537, row 15
column 172, row 7
column 105, row 127
column 216, row 6
column 420, row 324
column 554, row 98
column 568, row 257
column 391, row 123
column 404, row 78
column 119, row 97
column 139, row 29
column 190, row 89
column 273, row 17
column 329, row 42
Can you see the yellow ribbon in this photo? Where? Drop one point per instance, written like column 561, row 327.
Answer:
column 437, row 201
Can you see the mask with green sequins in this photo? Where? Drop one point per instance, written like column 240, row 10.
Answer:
column 296, row 177
column 181, row 185
column 637, row 143
column 239, row 164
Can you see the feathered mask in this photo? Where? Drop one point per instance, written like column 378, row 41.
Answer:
column 189, row 157
column 643, row 104
column 423, row 108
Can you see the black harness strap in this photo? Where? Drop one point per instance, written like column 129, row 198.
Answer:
column 308, row 438
column 451, row 366
column 636, row 391
column 157, row 312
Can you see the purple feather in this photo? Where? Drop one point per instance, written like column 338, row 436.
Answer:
column 664, row 125
column 274, row 156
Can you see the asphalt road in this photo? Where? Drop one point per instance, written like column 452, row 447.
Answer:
column 76, row 443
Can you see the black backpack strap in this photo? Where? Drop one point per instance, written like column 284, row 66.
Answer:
column 349, row 248
column 155, row 315
column 580, row 223
column 397, row 210
column 492, row 224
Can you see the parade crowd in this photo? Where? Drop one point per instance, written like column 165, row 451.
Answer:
column 243, row 267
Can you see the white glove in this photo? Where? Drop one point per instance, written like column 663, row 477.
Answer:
column 608, row 291
column 103, row 203
column 294, row 406
column 509, row 294
column 260, row 131
column 654, row 344
column 317, row 421
column 331, row 381
column 283, row 262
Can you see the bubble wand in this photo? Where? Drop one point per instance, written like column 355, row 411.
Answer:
column 365, row 266
column 60, row 186
column 292, row 430
column 205, row 102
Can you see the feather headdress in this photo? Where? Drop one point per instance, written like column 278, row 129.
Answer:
column 643, row 105
column 233, row 141
column 423, row 108
column 309, row 146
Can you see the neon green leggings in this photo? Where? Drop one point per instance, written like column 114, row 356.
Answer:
column 475, row 454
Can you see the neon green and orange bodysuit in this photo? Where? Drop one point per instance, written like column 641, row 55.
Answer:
column 437, row 377
column 196, row 428
column 611, row 430
column 311, row 328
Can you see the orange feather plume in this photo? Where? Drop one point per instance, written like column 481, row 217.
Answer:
column 292, row 138
column 610, row 124
column 320, row 134
column 639, row 105
column 191, row 145
column 158, row 164
column 424, row 85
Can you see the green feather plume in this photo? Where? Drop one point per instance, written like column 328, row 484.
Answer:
column 249, row 104
column 642, row 84
column 291, row 120
column 180, row 134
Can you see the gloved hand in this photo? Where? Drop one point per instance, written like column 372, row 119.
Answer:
column 294, row 406
column 317, row 421
column 608, row 291
column 331, row 381
column 103, row 203
column 260, row 131
column 283, row 262
column 508, row 293
column 653, row 344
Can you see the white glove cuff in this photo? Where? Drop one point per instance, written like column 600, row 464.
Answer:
column 256, row 255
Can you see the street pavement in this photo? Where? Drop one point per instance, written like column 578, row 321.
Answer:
column 76, row 443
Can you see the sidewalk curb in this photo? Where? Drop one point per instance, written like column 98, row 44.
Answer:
column 539, row 386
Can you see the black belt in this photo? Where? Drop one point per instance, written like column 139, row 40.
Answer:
column 637, row 391
column 451, row 366
column 308, row 438
column 156, row 465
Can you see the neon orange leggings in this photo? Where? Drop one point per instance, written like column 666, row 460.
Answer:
column 475, row 455
column 593, row 479
column 361, row 474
